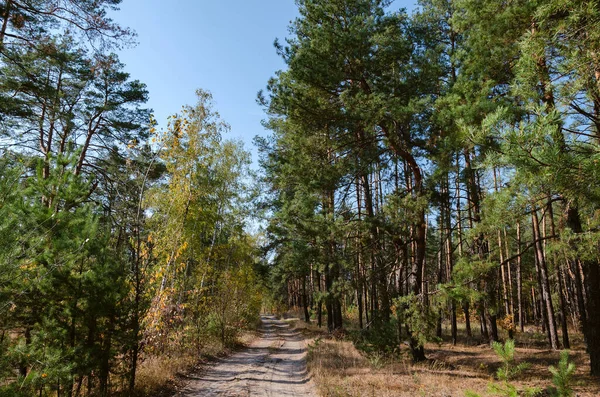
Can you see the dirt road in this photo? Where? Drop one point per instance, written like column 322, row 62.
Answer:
column 273, row 365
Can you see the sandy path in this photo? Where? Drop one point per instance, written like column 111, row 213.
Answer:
column 273, row 365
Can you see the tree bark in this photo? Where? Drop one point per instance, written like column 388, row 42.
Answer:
column 5, row 18
column 544, row 283
column 591, row 270
column 417, row 350
column 561, row 292
column 520, row 280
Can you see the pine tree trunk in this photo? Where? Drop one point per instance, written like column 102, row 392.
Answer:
column 481, row 249
column 561, row 293
column 520, row 281
column 305, row 301
column 548, row 307
column 503, row 272
column 465, row 306
column 320, row 301
column 563, row 309
column 534, row 301
column 510, row 276
column 447, row 249
column 440, row 272
column 417, row 266
column 570, row 295
column 332, row 302
column 466, row 311
column 591, row 270
column 380, row 277
column 329, row 299
column 5, row 17
column 482, row 323
column 359, row 258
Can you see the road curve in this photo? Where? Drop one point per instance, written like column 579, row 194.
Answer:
column 273, row 365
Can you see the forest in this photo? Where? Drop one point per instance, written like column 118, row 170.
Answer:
column 428, row 176
column 119, row 241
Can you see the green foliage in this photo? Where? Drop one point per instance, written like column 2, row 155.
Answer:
column 83, row 289
column 205, row 285
column 562, row 376
column 508, row 371
column 236, row 303
column 377, row 360
column 380, row 339
column 68, row 289
column 349, row 77
column 419, row 318
column 118, row 241
column 509, row 390
column 506, row 353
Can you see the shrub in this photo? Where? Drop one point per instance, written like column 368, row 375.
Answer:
column 506, row 353
column 562, row 376
column 506, row 372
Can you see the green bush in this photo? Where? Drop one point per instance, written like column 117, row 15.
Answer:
column 562, row 376
column 420, row 318
column 507, row 371
column 380, row 338
column 506, row 353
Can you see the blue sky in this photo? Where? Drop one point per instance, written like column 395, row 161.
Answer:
column 225, row 47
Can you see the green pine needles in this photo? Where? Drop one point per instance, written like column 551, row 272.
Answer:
column 506, row 353
column 562, row 376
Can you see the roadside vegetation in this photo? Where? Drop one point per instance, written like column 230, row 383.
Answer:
column 433, row 179
column 429, row 192
column 124, row 255
column 344, row 365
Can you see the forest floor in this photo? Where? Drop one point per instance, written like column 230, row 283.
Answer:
column 274, row 364
column 340, row 369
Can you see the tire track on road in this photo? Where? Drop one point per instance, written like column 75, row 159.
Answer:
column 273, row 365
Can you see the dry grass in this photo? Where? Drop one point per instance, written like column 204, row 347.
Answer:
column 339, row 369
column 158, row 375
column 164, row 375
